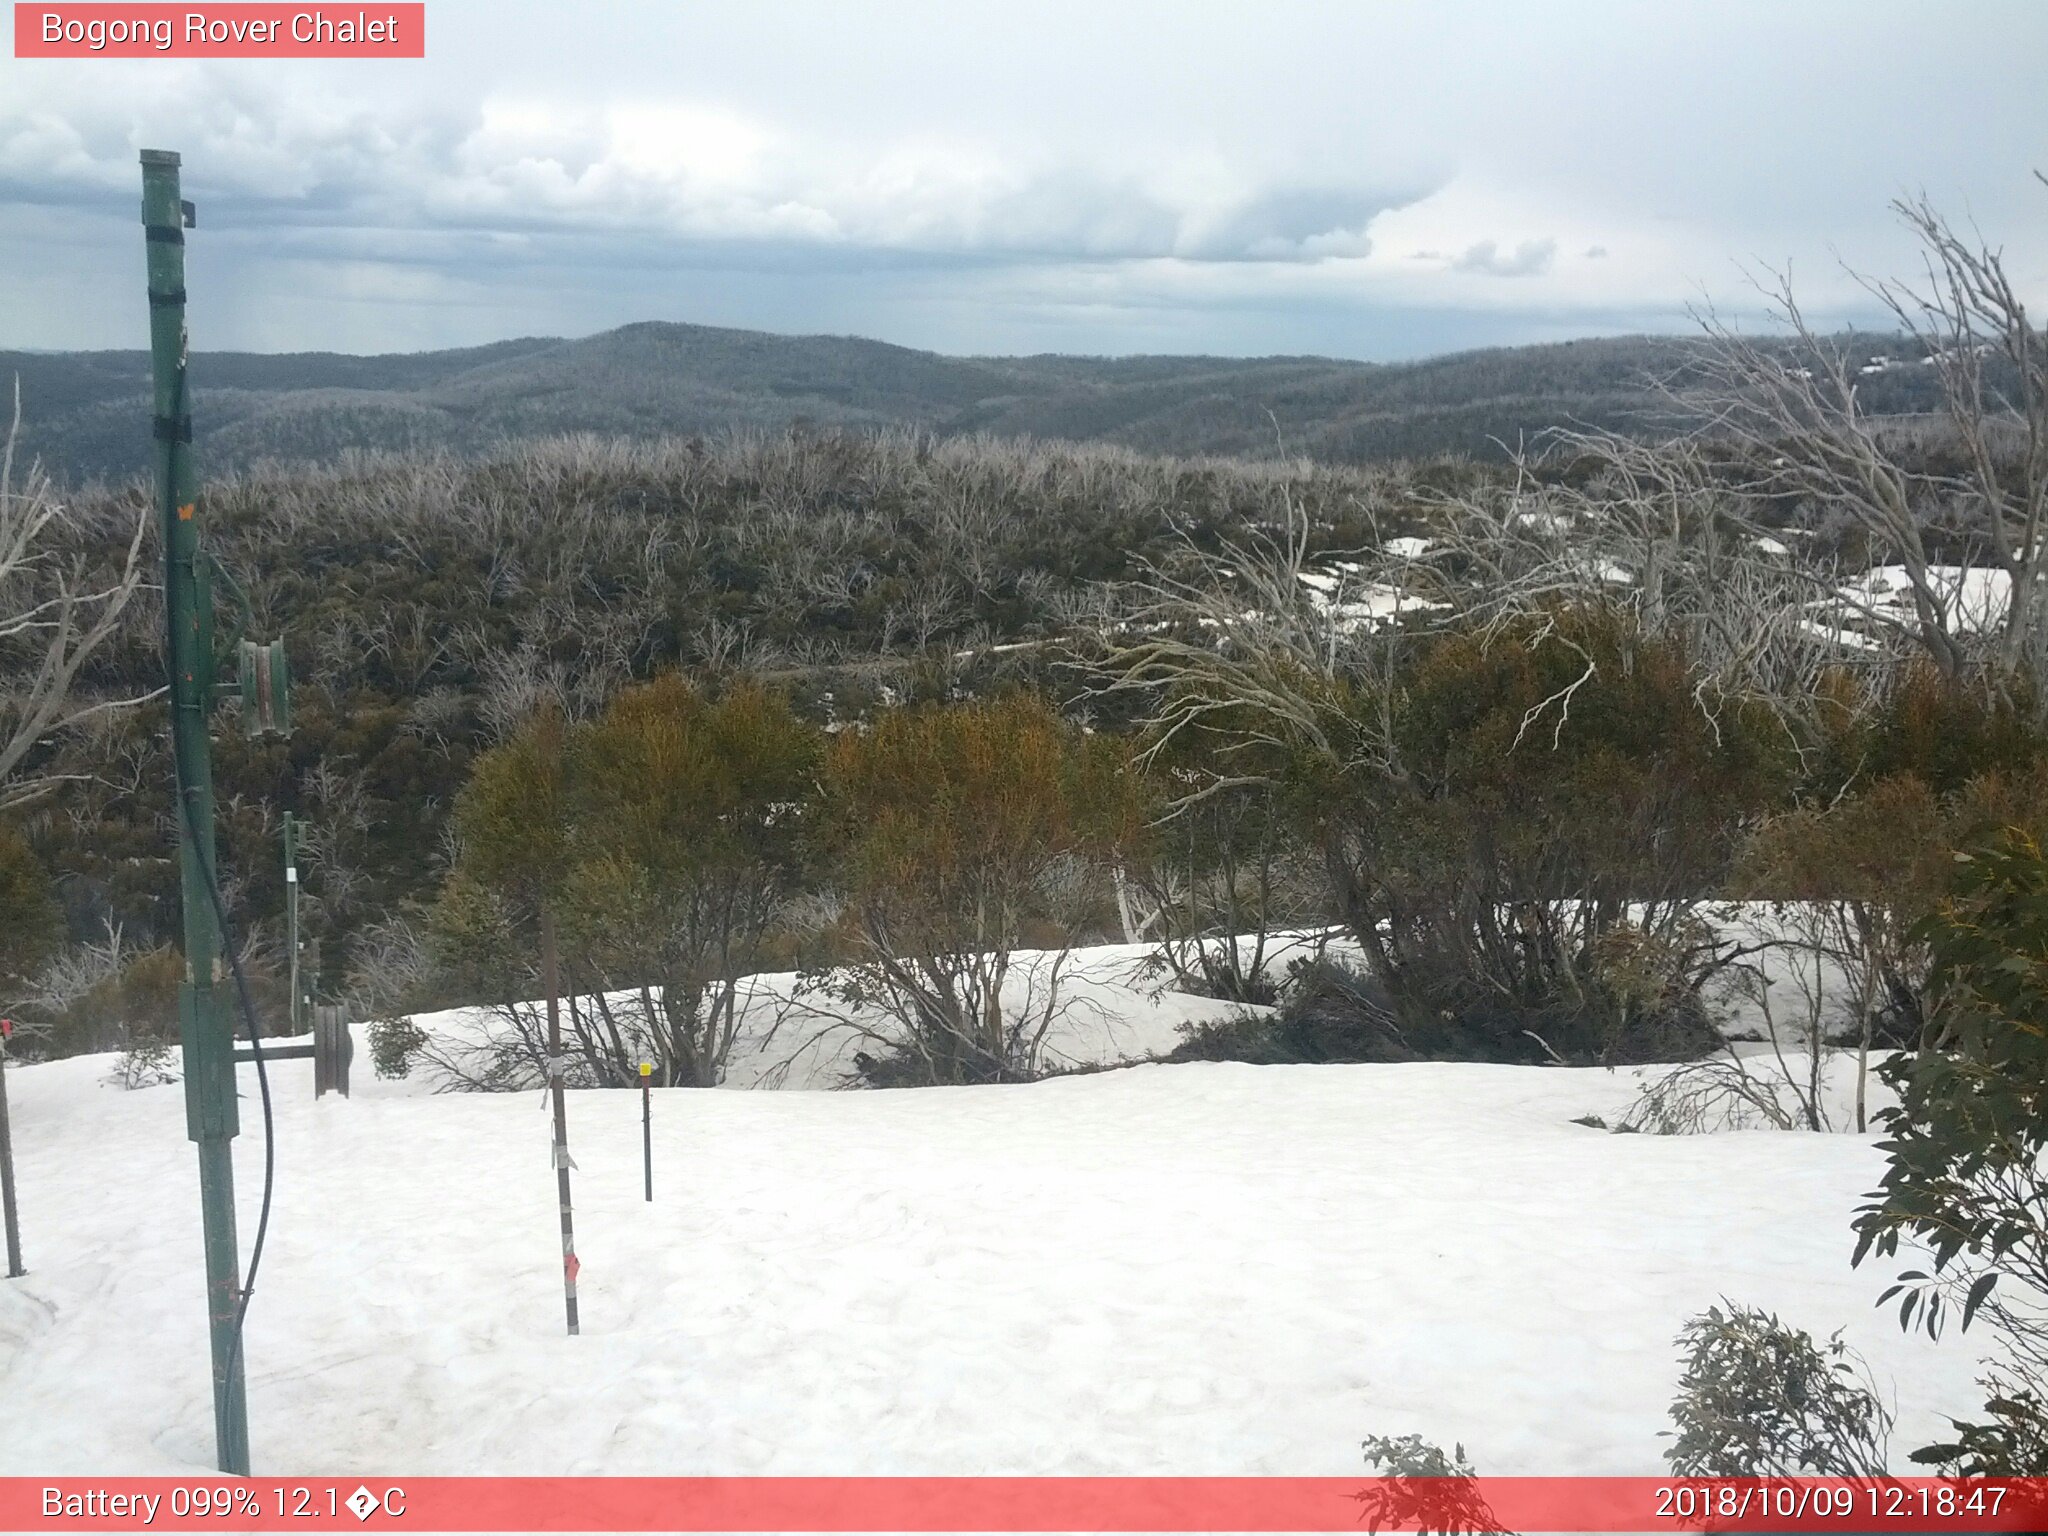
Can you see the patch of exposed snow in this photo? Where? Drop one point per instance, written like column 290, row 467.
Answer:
column 1975, row 597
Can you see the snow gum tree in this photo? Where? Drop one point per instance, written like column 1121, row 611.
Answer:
column 961, row 833
column 512, row 822
column 1520, row 824
column 1220, row 876
column 687, row 817
column 664, row 837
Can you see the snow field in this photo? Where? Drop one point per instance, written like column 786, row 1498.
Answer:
column 1200, row 1269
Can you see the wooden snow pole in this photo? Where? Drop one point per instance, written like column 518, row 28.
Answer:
column 551, row 978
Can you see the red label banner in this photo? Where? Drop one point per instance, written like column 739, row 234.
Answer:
column 1119, row 1504
column 260, row 31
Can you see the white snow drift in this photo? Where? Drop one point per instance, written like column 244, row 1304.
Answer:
column 1166, row 1269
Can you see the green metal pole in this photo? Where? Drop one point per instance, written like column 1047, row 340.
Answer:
column 205, row 1024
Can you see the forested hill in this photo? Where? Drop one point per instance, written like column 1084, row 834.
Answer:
column 86, row 413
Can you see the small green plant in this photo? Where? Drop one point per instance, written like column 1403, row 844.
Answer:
column 1426, row 1490
column 145, row 1064
column 394, row 1043
column 1759, row 1399
column 2013, row 1443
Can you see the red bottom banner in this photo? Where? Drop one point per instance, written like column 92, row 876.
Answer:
column 1504, row 1504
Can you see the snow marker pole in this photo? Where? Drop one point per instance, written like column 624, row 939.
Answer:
column 556, row 1062
column 646, row 1122
column 302, row 1012
column 207, row 1034
column 7, row 1211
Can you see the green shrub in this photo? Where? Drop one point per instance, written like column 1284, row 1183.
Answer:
column 1759, row 1399
column 394, row 1043
column 135, row 1005
column 2011, row 1440
column 1519, row 824
column 1222, row 867
column 1329, row 1012
column 1964, row 1144
column 1427, row 1489
column 661, row 840
column 146, row 1064
column 29, row 914
column 960, row 833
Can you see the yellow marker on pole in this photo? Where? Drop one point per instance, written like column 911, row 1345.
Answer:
column 647, row 1122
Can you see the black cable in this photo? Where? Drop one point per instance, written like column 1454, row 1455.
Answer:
column 220, row 911
column 263, row 1087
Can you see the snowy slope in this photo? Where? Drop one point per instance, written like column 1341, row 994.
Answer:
column 1210, row 1268
column 1113, row 1008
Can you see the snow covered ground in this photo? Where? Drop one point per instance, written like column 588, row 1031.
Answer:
column 1117, row 1007
column 1858, row 614
column 1201, row 1269
column 1113, row 1007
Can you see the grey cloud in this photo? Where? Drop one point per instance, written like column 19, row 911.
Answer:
column 264, row 159
column 1051, row 215
column 1293, row 224
column 1531, row 258
column 1000, row 176
column 375, row 291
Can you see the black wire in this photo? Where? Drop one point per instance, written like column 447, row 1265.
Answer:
column 263, row 1086
column 220, row 911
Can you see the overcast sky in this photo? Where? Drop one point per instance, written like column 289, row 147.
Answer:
column 1359, row 179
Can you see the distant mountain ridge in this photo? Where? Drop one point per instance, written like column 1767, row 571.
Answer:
column 86, row 413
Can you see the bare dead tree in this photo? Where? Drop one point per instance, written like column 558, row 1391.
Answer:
column 1967, row 311
column 1237, row 634
column 1656, row 531
column 56, row 610
column 516, row 684
column 1794, row 417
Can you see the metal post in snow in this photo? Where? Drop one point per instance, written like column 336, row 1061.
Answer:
column 551, row 978
column 301, row 1013
column 8, row 1214
column 647, row 1123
